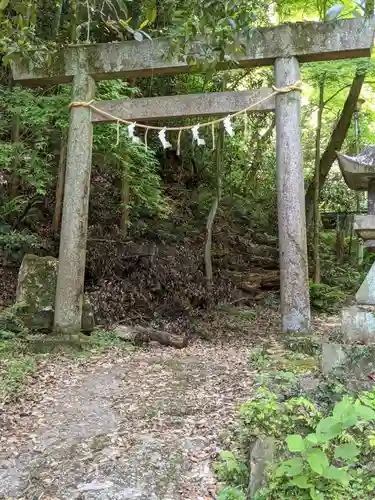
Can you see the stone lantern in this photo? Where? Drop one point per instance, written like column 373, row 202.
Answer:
column 358, row 321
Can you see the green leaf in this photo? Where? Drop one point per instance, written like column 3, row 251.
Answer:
column 317, row 460
column 144, row 24
column 337, row 474
column 365, row 413
column 301, row 482
column 328, row 429
column 295, row 443
column 4, row 4
column 347, row 451
column 290, row 468
column 311, row 438
column 316, row 495
column 343, row 407
column 345, row 412
column 350, row 421
column 151, row 14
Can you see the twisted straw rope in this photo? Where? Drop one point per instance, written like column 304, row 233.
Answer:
column 284, row 90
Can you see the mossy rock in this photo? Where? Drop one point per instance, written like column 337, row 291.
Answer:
column 66, row 344
column 36, row 290
column 304, row 343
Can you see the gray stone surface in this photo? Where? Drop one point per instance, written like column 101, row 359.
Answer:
column 333, row 355
column 358, row 324
column 261, row 455
column 295, row 301
column 364, row 226
column 72, row 255
column 36, row 289
column 351, row 365
column 184, row 106
column 347, row 38
column 358, row 171
column 366, row 292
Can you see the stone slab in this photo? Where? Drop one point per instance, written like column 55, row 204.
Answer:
column 366, row 292
column 36, row 290
column 261, row 455
column 351, row 365
column 358, row 324
column 341, row 39
column 184, row 106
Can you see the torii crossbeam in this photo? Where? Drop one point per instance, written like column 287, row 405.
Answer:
column 284, row 46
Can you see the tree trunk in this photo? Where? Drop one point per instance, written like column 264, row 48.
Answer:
column 316, row 252
column 125, row 199
column 141, row 335
column 213, row 211
column 60, row 183
column 73, row 22
column 336, row 141
column 260, row 147
column 15, row 163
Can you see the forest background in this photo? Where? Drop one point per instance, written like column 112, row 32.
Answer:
column 173, row 236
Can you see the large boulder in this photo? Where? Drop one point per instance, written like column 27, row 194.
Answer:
column 36, row 289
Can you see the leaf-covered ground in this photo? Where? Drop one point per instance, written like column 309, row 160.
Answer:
column 129, row 425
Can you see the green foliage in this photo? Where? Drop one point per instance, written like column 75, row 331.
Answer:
column 13, row 373
column 231, row 494
column 267, row 415
column 15, row 244
column 321, row 456
column 15, row 365
column 281, row 368
column 137, row 166
column 299, row 10
column 38, row 117
column 102, row 341
column 11, row 325
column 230, row 470
column 326, row 298
column 218, row 24
column 323, row 461
column 258, row 358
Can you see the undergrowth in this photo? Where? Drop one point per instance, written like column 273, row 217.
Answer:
column 339, row 281
column 323, row 440
column 318, row 455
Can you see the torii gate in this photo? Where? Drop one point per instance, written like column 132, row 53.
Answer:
column 285, row 46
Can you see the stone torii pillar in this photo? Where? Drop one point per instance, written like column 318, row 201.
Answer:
column 285, row 46
column 295, row 303
column 72, row 256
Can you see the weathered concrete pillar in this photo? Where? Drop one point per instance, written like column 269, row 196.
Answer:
column 72, row 256
column 295, row 303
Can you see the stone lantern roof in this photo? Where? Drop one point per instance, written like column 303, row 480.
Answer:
column 359, row 171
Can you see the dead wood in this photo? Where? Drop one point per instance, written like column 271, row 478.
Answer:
column 262, row 280
column 142, row 335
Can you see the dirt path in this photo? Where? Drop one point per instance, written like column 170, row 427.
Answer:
column 144, row 425
column 140, row 425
